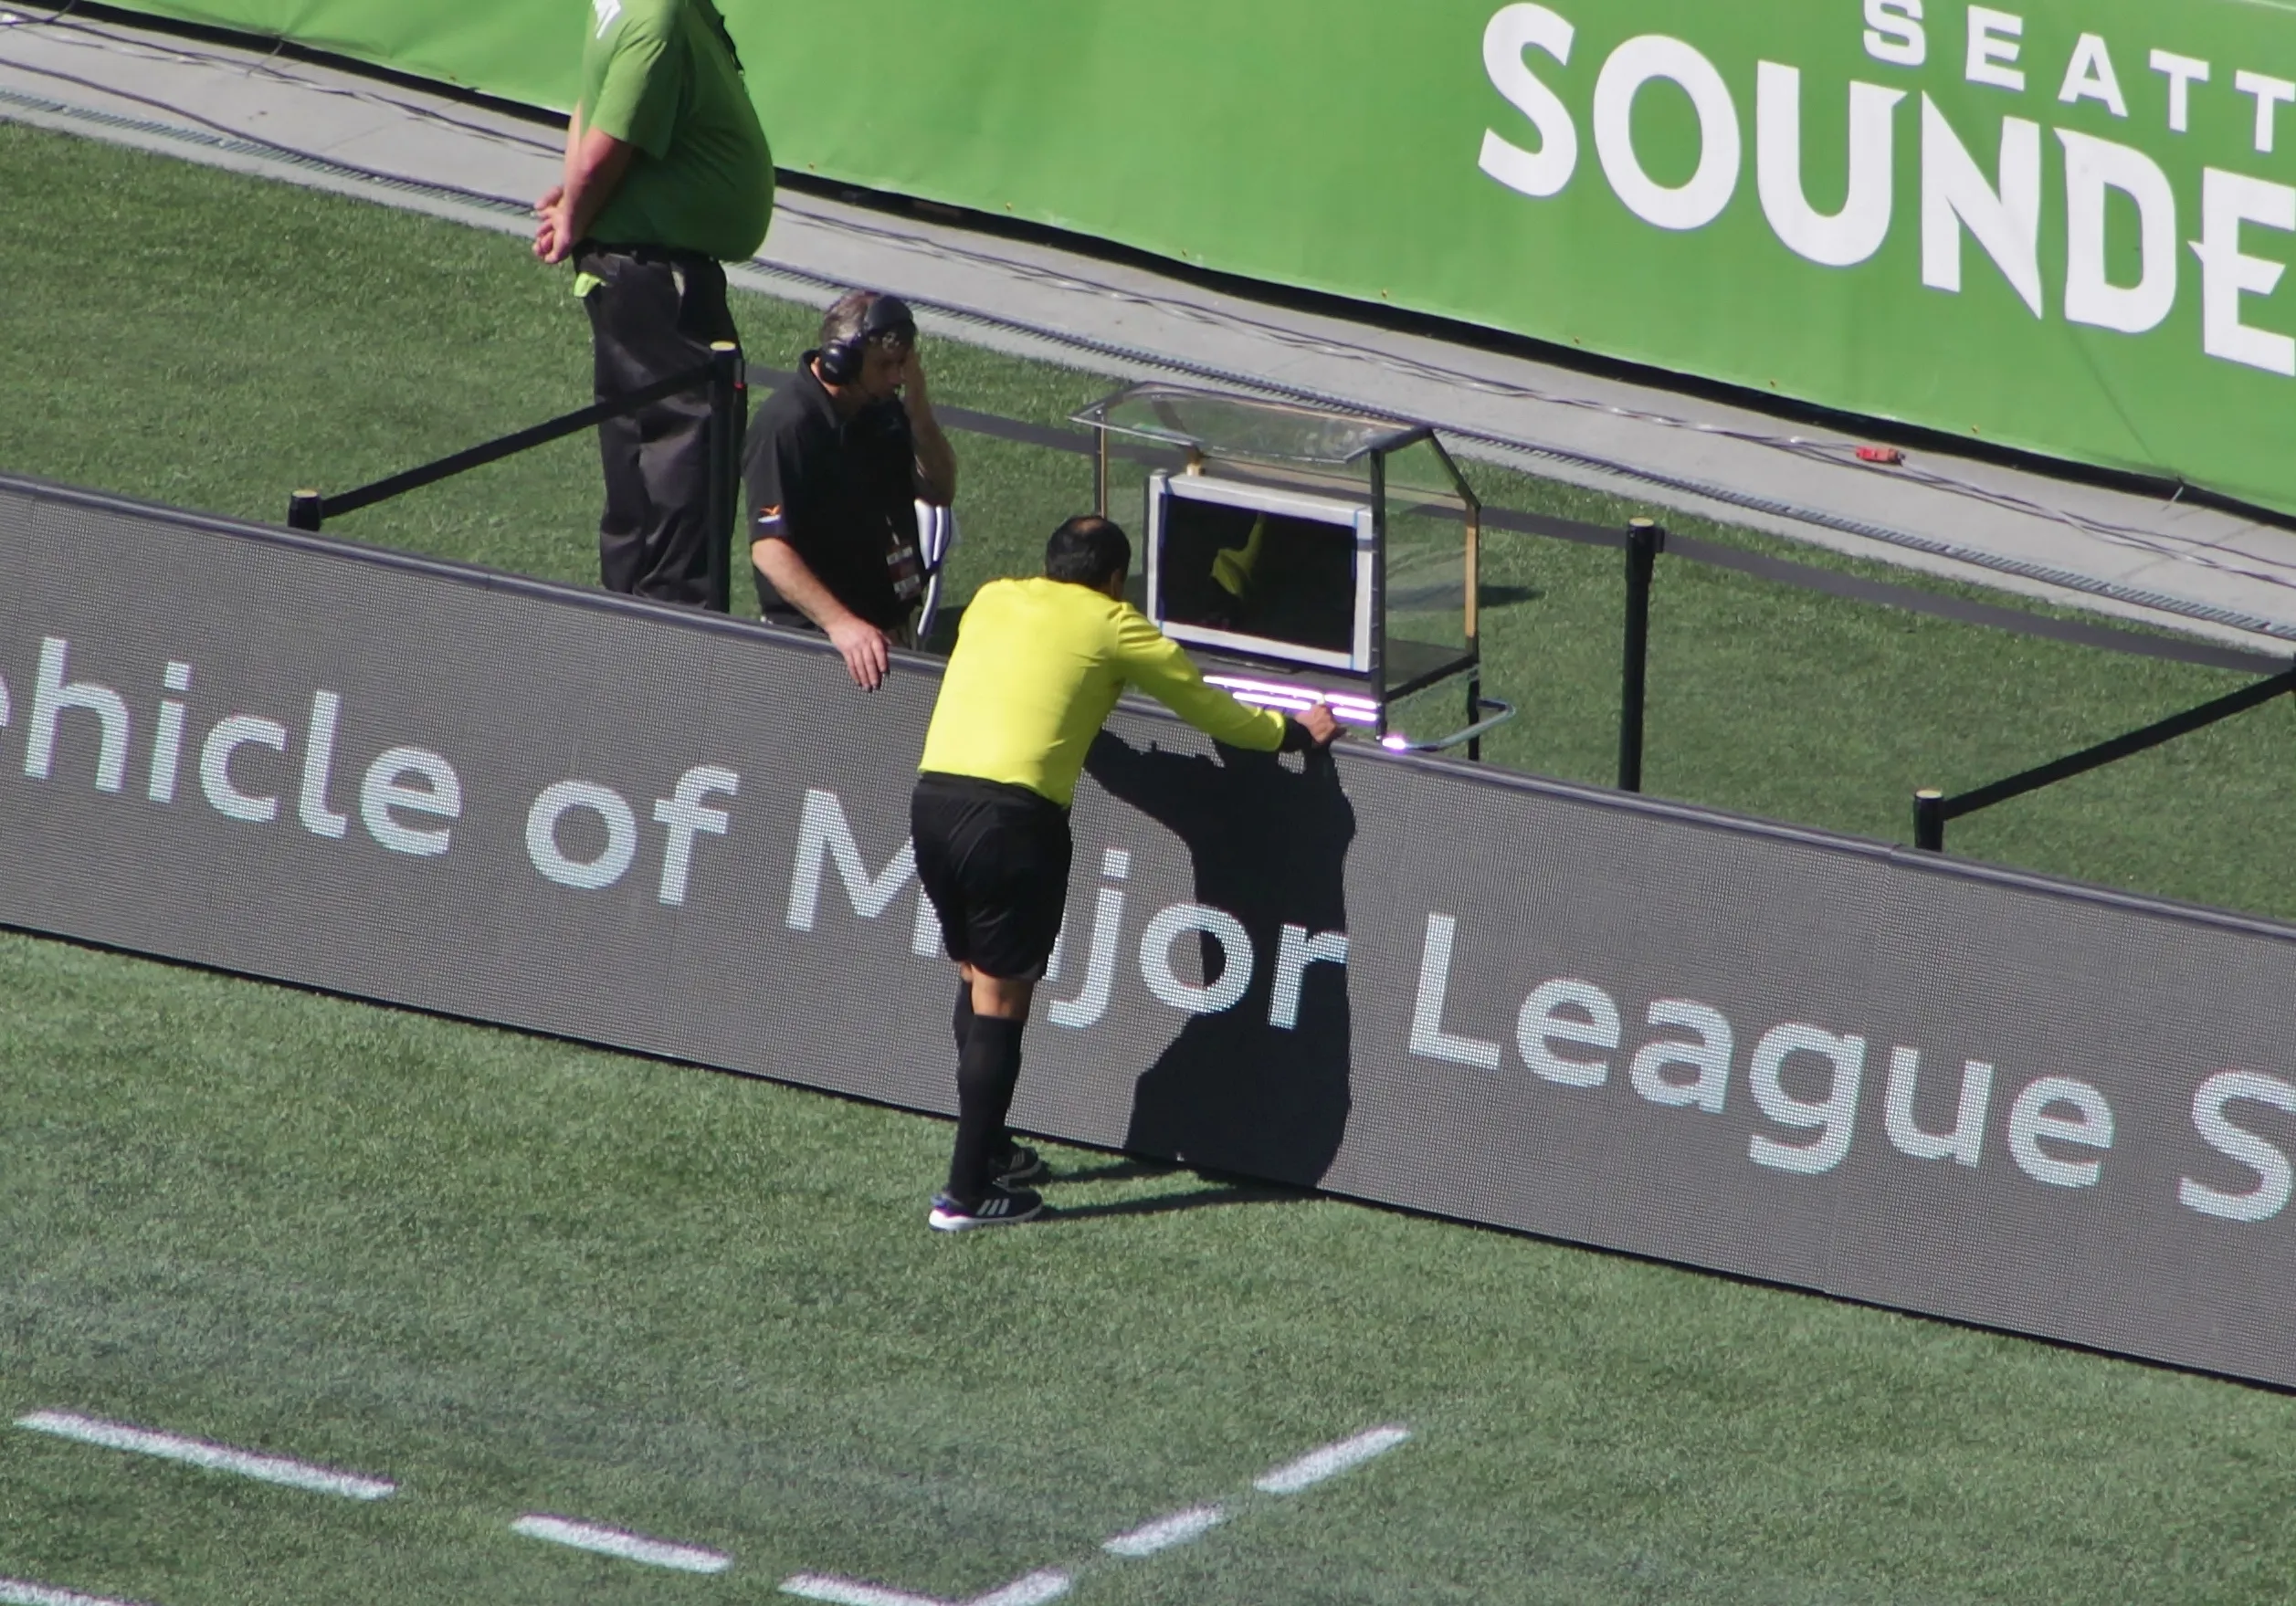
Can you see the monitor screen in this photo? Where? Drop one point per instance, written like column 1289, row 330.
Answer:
column 1269, row 574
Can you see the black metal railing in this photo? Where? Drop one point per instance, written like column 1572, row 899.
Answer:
column 1933, row 808
column 720, row 376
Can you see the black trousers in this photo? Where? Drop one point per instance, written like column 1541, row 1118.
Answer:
column 655, row 315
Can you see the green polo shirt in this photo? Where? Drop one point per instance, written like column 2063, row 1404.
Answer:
column 661, row 75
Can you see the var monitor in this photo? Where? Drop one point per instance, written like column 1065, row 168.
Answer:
column 1269, row 574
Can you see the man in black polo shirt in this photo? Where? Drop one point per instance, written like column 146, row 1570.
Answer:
column 835, row 461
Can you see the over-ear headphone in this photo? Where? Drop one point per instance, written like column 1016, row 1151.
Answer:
column 888, row 318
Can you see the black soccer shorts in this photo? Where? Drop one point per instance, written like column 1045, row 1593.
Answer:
column 993, row 858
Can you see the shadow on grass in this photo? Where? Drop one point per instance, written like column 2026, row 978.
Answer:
column 1203, row 1198
column 1118, row 1170
column 1501, row 596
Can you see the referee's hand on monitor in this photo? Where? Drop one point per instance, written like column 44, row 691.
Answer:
column 1318, row 723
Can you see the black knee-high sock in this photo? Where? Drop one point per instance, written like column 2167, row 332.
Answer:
column 962, row 1020
column 986, row 1071
column 961, row 1023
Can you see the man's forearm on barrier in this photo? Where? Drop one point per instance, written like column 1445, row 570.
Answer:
column 861, row 645
column 794, row 578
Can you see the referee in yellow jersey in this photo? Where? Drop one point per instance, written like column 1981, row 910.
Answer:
column 1039, row 664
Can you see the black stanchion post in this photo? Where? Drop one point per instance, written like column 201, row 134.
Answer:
column 1474, row 716
column 1929, row 820
column 725, row 399
column 1645, row 542
column 305, row 511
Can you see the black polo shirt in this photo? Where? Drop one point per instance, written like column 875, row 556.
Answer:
column 842, row 492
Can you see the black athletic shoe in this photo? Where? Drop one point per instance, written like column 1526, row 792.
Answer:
column 1017, row 1162
column 999, row 1207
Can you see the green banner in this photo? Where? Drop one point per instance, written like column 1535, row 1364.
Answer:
column 526, row 50
column 2059, row 225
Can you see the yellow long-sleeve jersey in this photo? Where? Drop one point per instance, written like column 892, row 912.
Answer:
column 1038, row 668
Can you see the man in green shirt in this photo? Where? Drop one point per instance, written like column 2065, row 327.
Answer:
column 666, row 176
column 1039, row 664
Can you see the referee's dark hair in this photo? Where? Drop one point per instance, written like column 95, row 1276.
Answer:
column 1088, row 550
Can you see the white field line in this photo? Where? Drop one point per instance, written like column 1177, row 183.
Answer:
column 1050, row 1584
column 607, row 1542
column 271, row 1469
column 1164, row 1532
column 16, row 1592
column 1033, row 1591
column 1330, row 1461
column 844, row 1591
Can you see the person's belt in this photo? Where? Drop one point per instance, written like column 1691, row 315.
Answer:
column 667, row 255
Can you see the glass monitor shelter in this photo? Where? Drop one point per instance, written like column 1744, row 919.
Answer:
column 1303, row 554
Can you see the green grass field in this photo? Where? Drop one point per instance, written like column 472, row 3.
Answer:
column 517, row 1277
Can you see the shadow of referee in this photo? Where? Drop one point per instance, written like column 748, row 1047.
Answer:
column 1233, row 1092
